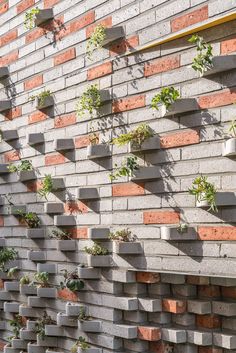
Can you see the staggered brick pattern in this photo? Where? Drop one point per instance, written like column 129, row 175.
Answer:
column 185, row 302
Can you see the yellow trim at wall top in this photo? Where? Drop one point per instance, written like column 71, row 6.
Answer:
column 190, row 30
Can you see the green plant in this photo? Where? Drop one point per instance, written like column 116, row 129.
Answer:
column 12, row 272
column 127, row 168
column 30, row 16
column 167, row 96
column 23, row 166
column 30, row 218
column 6, row 255
column 96, row 249
column 80, row 343
column 135, row 137
column 16, row 324
column 46, row 187
column 41, row 280
column 182, row 228
column 40, row 325
column 204, row 191
column 121, row 235
column 96, row 40
column 71, row 281
column 90, row 101
column 60, row 235
column 203, row 60
column 24, row 280
column 82, row 315
column 232, row 128
column 41, row 97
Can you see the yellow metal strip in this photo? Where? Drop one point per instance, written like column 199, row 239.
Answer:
column 190, row 30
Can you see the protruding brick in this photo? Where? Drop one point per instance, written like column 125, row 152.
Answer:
column 162, row 65
column 189, row 19
column 217, row 233
column 131, row 103
column 180, row 139
column 147, row 277
column 33, row 82
column 64, row 57
column 174, row 306
column 160, row 217
column 149, row 333
column 128, row 189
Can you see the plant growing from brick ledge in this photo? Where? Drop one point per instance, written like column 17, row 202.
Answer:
column 71, row 281
column 82, row 315
column 127, row 168
column 96, row 40
column 90, row 102
column 203, row 60
column 30, row 17
column 40, row 325
column 204, row 191
column 22, row 167
column 80, row 343
column 30, row 218
column 232, row 129
column 24, row 280
column 60, row 235
column 11, row 273
column 96, row 249
column 182, row 228
column 166, row 97
column 41, row 97
column 17, row 324
column 41, row 280
column 6, row 255
column 136, row 137
column 46, row 186
column 124, row 235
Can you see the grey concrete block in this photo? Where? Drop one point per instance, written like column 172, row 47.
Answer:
column 172, row 233
column 8, row 349
column 48, row 102
column 224, row 308
column 153, row 143
column 36, row 255
column 27, row 312
column 220, row 64
column 184, row 290
column 34, row 348
column 15, row 209
column 90, row 326
column 98, row 233
column 223, row 281
column 12, row 286
column 199, row 338
column 43, row 16
column 9, row 135
column 229, row 147
column 120, row 275
column 173, row 335
column 66, row 245
column 120, row 330
column 37, row 233
column 47, row 267
column 64, row 144
column 64, row 221
column 25, row 289
column 89, row 272
column 135, row 316
column 2, row 242
column 4, row 71
column 121, row 303
column 182, row 105
column 129, row 248
column 112, row 34
column 99, row 260
column 53, row 330
column 150, row 305
column 172, row 278
column 160, row 318
column 89, row 350
column 47, row 292
column 199, row 307
column 11, row 307
column 5, row 105
column 27, row 175
column 53, row 207
column 58, row 184
column 4, row 295
column 98, row 151
column 36, row 302
column 4, row 168
column 88, row 194
column 224, row 340
column 73, row 309
column 18, row 343
column 64, row 320
column 222, row 199
column 146, row 173
column 35, row 138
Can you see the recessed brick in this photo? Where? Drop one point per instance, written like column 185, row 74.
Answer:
column 131, row 103
column 12, row 156
column 66, row 294
column 149, row 333
column 228, row 46
column 123, row 45
column 209, row 291
column 160, row 217
column 1, row 221
column 197, row 280
column 64, row 120
column 24, row 5
column 79, row 233
column 208, row 321
column 189, row 19
column 174, row 306
column 160, row 347
column 2, row 344
column 34, row 186
column 147, row 277
column 107, row 22
column 64, row 57
column 54, row 159
column 217, row 233
column 13, row 113
column 180, row 139
column 209, row 350
column 128, row 189
column 228, row 292
column 9, row 58
column 99, row 71
column 82, row 141
column 36, row 117
column 162, row 65
column 218, row 99
column 33, row 82
column 73, row 207
column 8, row 37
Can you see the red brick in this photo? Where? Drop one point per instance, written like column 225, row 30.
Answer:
column 79, row 233
column 196, row 280
column 34, row 186
column 107, row 23
column 123, row 45
column 36, row 117
column 24, row 5
column 66, row 294
column 228, row 292
column 1, row 221
column 50, row 3
column 83, row 141
column 46, row 27
column 160, row 217
column 219, row 99
column 162, row 65
column 73, row 207
column 9, row 58
column 160, row 347
column 180, row 139
column 33, row 35
column 1, row 283
column 4, row 8
column 174, row 306
column 9, row 37
column 54, row 159
column 33, row 82
column 228, row 46
column 12, row 156
column 149, row 333
column 64, row 120
column 217, row 233
column 128, row 189
column 209, row 291
column 208, row 321
column 209, row 350
column 64, row 57
column 147, row 277
column 189, row 19
column 125, row 104
column 13, row 113
column 99, row 71
column 82, row 22
column 2, row 344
